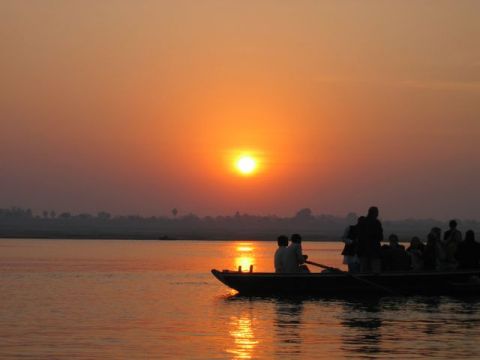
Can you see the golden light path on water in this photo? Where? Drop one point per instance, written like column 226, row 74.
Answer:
column 241, row 327
column 244, row 256
column 243, row 337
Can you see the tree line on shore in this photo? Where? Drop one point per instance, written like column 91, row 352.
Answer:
column 20, row 222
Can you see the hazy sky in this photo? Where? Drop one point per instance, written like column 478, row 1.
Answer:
column 141, row 106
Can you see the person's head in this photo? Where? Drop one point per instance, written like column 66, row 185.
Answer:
column 393, row 240
column 282, row 240
column 296, row 238
column 360, row 220
column 415, row 242
column 470, row 236
column 373, row 212
column 453, row 224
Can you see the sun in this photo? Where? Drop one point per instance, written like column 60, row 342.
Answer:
column 246, row 165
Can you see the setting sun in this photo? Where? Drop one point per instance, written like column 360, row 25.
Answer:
column 246, row 165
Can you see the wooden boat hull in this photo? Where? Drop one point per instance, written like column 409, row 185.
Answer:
column 465, row 282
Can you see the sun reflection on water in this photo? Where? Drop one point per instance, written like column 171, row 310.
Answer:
column 244, row 248
column 244, row 256
column 243, row 336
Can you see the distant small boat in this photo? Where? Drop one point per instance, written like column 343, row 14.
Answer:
column 460, row 282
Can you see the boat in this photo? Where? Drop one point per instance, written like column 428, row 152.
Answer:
column 340, row 283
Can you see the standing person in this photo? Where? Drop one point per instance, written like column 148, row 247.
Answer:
column 370, row 234
column 350, row 238
column 294, row 258
column 452, row 238
column 279, row 261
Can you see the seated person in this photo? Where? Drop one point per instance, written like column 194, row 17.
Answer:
column 430, row 254
column 415, row 251
column 393, row 256
column 468, row 252
column 282, row 242
column 294, row 258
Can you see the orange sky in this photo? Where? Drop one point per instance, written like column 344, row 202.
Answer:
column 140, row 106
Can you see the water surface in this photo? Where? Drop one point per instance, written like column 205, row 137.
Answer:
column 91, row 299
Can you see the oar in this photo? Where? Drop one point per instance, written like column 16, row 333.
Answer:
column 371, row 283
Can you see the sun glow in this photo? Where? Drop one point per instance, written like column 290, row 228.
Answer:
column 246, row 165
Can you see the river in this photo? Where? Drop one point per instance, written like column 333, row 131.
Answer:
column 109, row 299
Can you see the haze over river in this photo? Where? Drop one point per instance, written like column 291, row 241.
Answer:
column 108, row 299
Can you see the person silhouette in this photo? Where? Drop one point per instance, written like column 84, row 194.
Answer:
column 279, row 261
column 416, row 251
column 294, row 258
column 393, row 256
column 370, row 234
column 349, row 252
column 452, row 238
column 433, row 250
column 468, row 252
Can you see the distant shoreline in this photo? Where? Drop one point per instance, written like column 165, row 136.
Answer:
column 147, row 238
column 129, row 238
column 17, row 223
